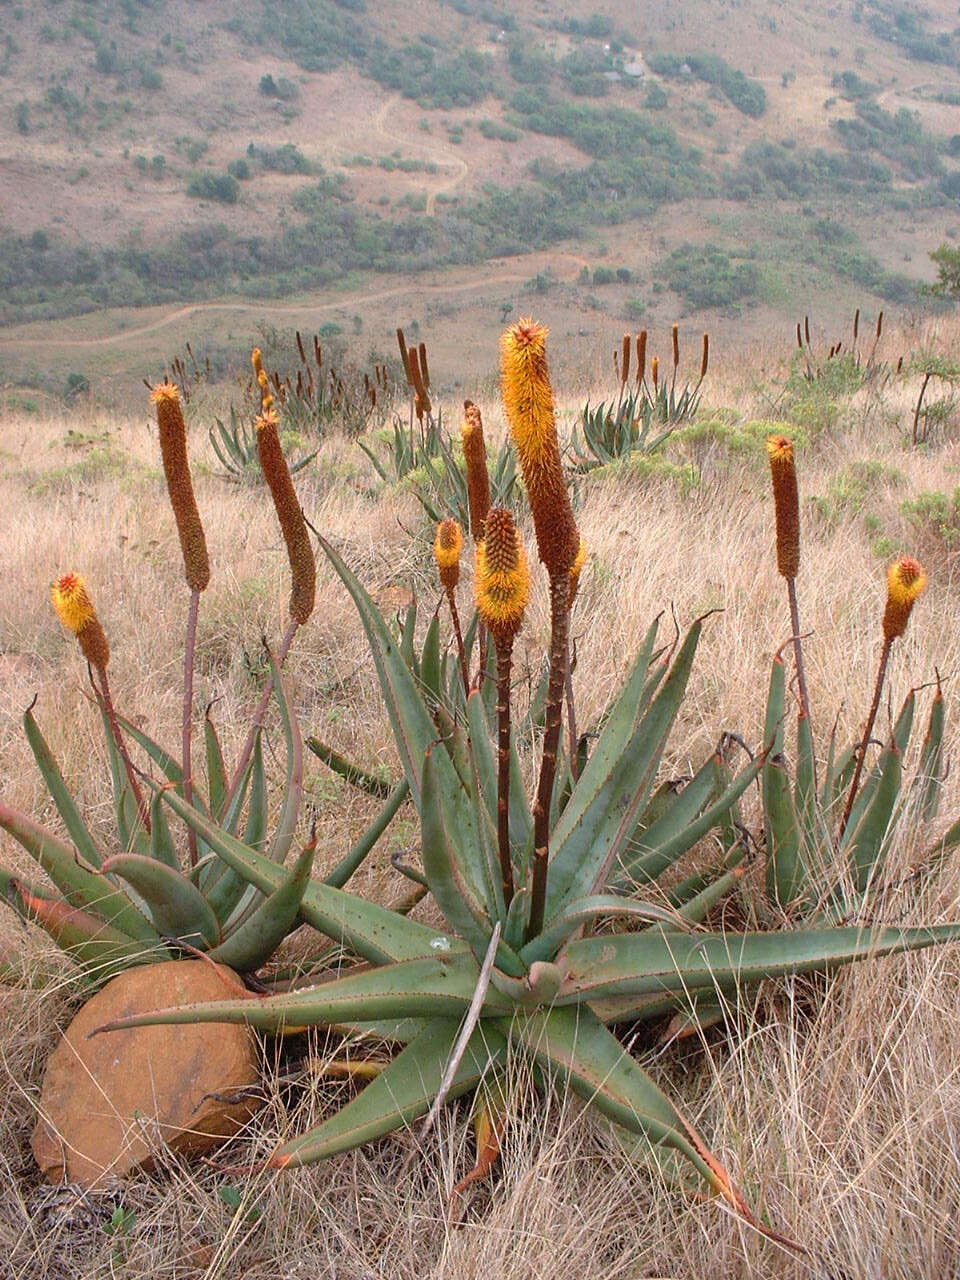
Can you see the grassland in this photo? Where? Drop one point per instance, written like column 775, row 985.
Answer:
column 834, row 1104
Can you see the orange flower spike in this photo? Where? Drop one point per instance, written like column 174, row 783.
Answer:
column 446, row 551
column 75, row 610
column 528, row 401
column 176, row 469
column 786, row 502
column 292, row 524
column 478, row 477
column 502, row 579
column 906, row 579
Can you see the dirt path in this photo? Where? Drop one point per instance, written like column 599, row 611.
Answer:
column 441, row 155
column 282, row 310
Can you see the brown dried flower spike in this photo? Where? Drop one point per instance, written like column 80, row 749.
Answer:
column 292, row 524
column 176, row 468
column 478, row 477
column 786, row 503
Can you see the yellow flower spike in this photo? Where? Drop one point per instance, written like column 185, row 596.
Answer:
column 528, row 401
column 576, row 568
column 176, row 469
column 502, row 580
column 75, row 610
column 446, row 551
column 478, row 477
column 906, row 579
column 786, row 502
column 292, row 524
column 655, row 372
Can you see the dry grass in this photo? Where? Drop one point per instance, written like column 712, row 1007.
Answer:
column 834, row 1105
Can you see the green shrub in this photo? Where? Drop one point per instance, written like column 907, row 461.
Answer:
column 709, row 276
column 935, row 516
column 214, row 186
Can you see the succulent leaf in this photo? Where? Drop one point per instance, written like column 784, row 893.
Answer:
column 178, row 908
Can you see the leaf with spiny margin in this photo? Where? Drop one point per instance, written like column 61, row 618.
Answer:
column 162, row 847
column 651, row 963
column 430, row 681
column 581, row 863
column 575, row 1046
column 653, row 859
column 46, row 762
column 254, row 942
column 584, row 911
column 407, row 637
column 216, row 768
column 374, row 932
column 178, row 908
column 521, row 819
column 618, row 726
column 129, row 827
column 83, row 888
column 928, row 780
column 100, row 950
column 867, row 843
column 293, row 790
column 449, row 879
column 400, row 1093
column 413, row 727
column 431, row 986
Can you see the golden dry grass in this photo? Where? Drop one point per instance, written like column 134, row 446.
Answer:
column 835, row 1105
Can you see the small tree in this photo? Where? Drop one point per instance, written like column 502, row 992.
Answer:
column 948, row 268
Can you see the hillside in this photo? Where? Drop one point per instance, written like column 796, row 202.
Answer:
column 445, row 160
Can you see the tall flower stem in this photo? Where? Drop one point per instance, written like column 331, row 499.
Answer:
column 504, row 662
column 862, row 753
column 559, row 617
column 798, row 647
column 260, row 712
column 143, row 813
column 458, row 633
column 187, row 726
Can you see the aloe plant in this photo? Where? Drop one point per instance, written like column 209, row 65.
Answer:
column 554, row 924
column 236, row 447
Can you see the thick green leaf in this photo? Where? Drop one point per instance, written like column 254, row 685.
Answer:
column 293, row 790
column 178, row 908
column 100, row 950
column 162, row 847
column 582, row 862
column 76, row 827
column 584, row 911
column 929, row 771
column 129, row 827
column 575, row 1046
column 401, row 1093
column 867, row 844
column 256, row 939
column 430, row 681
column 376, row 933
column 413, row 727
column 432, row 986
column 217, row 781
column 655, row 859
column 619, row 725
column 349, row 771
column 649, row 963
column 82, row 888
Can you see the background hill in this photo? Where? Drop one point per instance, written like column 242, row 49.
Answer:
column 360, row 165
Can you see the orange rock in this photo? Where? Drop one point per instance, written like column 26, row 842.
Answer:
column 109, row 1103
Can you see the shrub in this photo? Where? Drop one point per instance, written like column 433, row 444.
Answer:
column 214, row 186
column 709, row 276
